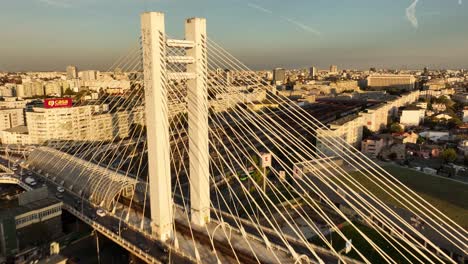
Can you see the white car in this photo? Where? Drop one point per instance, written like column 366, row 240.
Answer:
column 101, row 212
column 30, row 181
column 60, row 189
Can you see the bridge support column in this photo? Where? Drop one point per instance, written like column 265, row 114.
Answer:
column 195, row 30
column 157, row 124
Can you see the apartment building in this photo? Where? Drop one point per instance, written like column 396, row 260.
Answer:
column 349, row 129
column 375, row 118
column 412, row 116
column 372, row 146
column 11, row 118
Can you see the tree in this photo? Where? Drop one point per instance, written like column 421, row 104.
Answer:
column 366, row 133
column 420, row 140
column 449, row 155
column 393, row 156
column 69, row 91
column 257, row 175
column 396, row 128
column 454, row 122
column 465, row 160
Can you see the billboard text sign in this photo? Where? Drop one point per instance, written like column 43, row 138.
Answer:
column 58, row 102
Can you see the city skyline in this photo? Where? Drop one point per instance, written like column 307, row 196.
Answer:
column 44, row 35
column 179, row 153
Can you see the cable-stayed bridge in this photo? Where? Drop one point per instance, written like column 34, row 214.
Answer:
column 217, row 168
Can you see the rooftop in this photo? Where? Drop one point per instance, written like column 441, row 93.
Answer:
column 34, row 205
column 412, row 108
column 344, row 120
column 18, row 130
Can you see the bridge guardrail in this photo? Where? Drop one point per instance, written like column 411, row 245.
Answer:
column 118, row 239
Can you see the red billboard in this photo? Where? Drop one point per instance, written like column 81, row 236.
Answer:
column 58, row 102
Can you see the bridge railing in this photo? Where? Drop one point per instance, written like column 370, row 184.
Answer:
column 111, row 235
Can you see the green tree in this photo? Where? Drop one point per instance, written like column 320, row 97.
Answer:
column 396, row 128
column 69, row 91
column 449, row 155
column 454, row 122
column 257, row 175
column 366, row 133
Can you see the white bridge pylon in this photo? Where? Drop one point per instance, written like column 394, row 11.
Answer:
column 156, row 80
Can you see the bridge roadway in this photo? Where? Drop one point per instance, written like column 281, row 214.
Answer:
column 153, row 251
column 143, row 246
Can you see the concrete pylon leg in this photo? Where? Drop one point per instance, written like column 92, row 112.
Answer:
column 157, row 124
column 195, row 30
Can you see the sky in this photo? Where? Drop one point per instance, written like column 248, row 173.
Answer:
column 43, row 35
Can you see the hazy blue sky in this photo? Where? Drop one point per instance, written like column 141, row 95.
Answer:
column 50, row 34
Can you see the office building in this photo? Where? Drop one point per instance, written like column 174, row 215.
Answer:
column 88, row 75
column 333, row 69
column 312, row 72
column 391, row 82
column 279, row 76
column 72, row 72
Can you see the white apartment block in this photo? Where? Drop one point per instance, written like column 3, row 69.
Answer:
column 437, row 93
column 403, row 100
column 96, row 85
column 11, row 118
column 88, row 75
column 412, row 117
column 349, row 129
column 83, row 123
column 53, row 88
column 13, row 103
column 30, row 89
column 375, row 118
column 15, row 136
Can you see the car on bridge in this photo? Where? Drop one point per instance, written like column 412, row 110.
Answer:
column 60, row 189
column 30, row 181
column 101, row 212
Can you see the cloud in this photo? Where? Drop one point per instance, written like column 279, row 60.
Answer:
column 302, row 26
column 411, row 14
column 57, row 3
column 287, row 19
column 262, row 9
